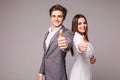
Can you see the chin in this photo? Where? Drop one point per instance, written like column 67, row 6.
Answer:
column 82, row 31
column 57, row 25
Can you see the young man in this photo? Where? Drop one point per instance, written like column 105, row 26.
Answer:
column 57, row 42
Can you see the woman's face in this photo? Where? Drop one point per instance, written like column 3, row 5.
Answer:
column 82, row 25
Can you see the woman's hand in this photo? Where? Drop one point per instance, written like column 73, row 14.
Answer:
column 83, row 46
column 92, row 60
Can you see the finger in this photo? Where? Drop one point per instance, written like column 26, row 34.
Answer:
column 62, row 46
column 93, row 61
column 62, row 41
column 61, row 33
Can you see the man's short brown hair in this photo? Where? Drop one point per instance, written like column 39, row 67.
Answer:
column 60, row 8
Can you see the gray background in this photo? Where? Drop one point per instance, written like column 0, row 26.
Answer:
column 24, row 22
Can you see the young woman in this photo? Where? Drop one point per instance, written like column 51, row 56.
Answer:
column 83, row 50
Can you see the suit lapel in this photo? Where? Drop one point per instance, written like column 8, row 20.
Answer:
column 53, row 40
column 44, row 44
column 50, row 49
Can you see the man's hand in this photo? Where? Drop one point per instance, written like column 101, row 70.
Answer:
column 62, row 43
column 40, row 77
column 92, row 60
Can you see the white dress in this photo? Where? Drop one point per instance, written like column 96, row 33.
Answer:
column 82, row 69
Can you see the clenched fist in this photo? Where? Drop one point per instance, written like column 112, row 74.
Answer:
column 62, row 43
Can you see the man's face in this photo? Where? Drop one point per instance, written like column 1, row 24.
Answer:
column 56, row 18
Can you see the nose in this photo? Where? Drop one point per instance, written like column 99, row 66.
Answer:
column 82, row 24
column 56, row 18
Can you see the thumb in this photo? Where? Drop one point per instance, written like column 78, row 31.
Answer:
column 60, row 33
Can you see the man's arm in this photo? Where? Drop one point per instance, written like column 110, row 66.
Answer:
column 42, row 69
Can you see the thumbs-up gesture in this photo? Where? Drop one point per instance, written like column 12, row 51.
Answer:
column 83, row 45
column 62, row 43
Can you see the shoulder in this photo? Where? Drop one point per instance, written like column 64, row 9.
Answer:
column 77, row 35
column 77, row 38
column 67, row 31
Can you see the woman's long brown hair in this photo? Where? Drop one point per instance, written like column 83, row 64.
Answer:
column 75, row 27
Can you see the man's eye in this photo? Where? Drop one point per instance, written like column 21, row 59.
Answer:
column 60, row 16
column 53, row 16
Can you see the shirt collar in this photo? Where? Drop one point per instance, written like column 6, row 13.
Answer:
column 55, row 30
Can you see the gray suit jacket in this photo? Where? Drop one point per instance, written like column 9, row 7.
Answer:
column 53, row 63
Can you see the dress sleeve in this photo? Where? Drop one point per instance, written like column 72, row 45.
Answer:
column 77, row 40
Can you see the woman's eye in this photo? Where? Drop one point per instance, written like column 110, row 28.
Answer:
column 85, row 22
column 79, row 23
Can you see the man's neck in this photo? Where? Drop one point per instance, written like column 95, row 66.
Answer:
column 53, row 28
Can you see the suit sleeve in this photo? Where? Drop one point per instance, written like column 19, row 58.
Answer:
column 42, row 68
column 69, row 38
